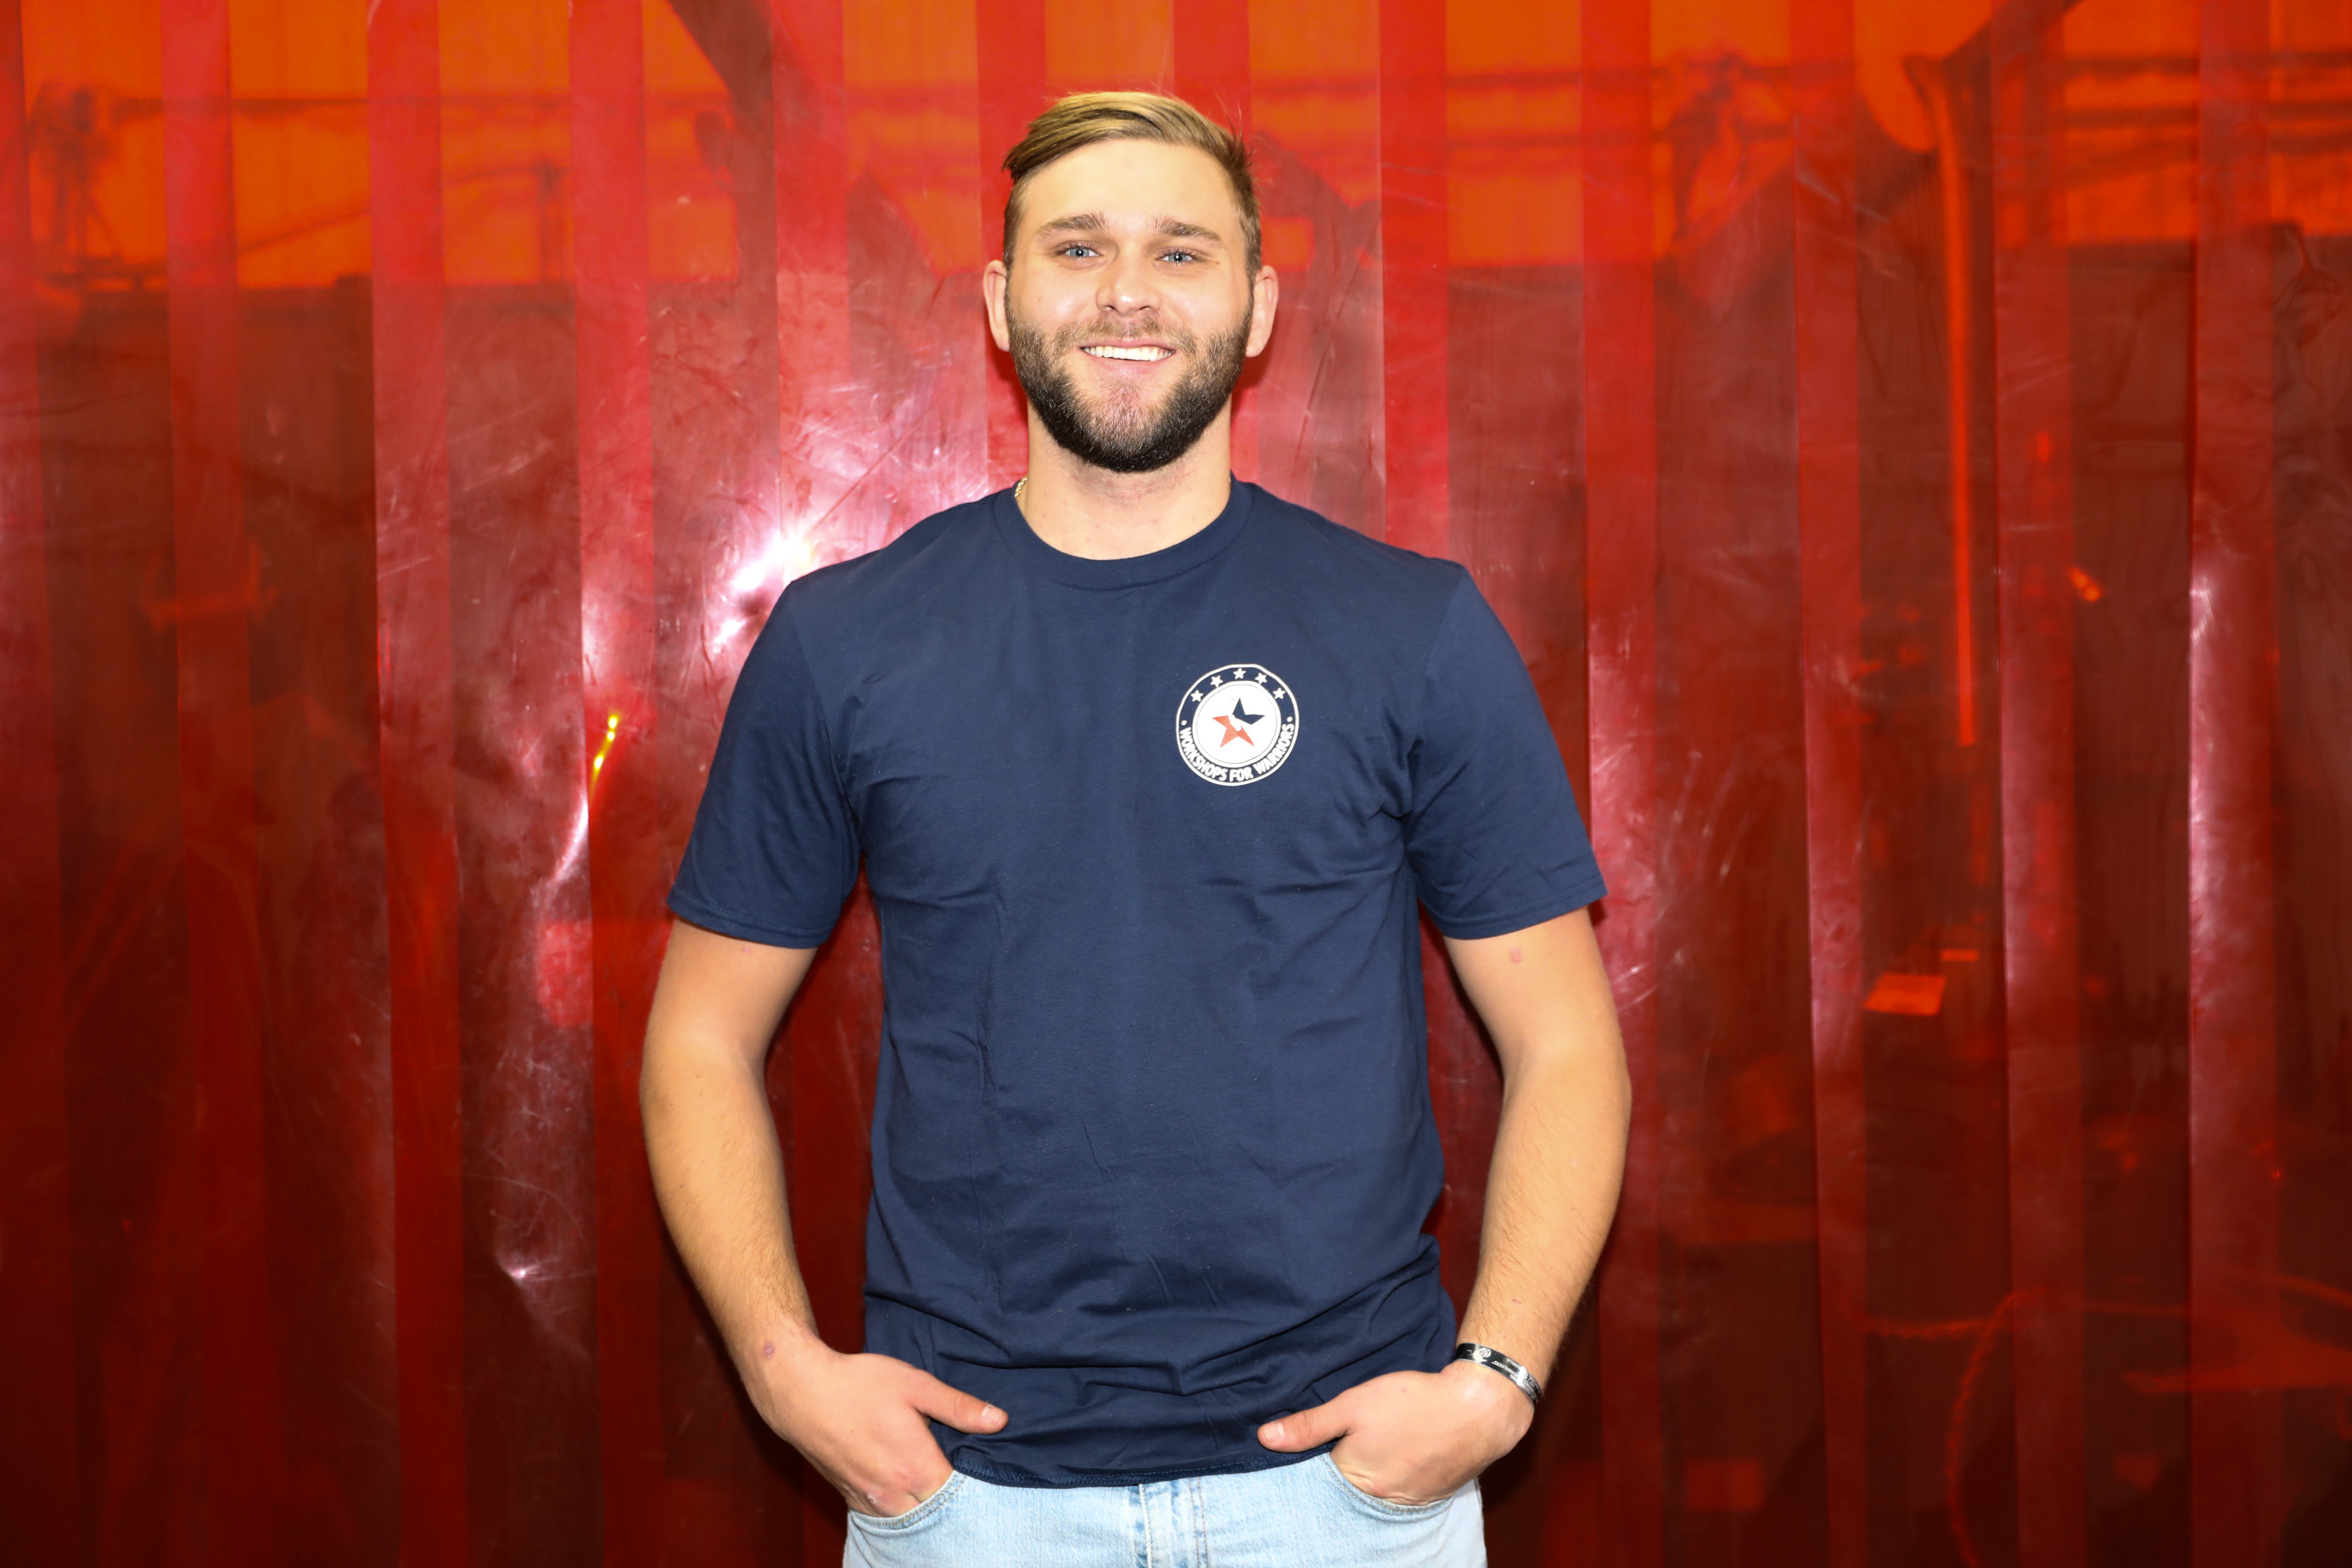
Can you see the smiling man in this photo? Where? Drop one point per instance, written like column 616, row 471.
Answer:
column 1150, row 774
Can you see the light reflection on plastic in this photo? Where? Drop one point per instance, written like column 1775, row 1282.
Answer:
column 612, row 733
column 752, row 587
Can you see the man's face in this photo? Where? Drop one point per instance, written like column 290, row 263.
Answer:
column 1129, row 306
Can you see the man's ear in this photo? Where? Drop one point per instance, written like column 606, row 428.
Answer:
column 1266, row 293
column 993, row 281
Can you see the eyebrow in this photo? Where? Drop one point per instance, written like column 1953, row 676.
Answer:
column 1094, row 223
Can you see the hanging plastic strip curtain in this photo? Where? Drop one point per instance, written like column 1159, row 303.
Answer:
column 1906, row 442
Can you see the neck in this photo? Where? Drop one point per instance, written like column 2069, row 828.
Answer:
column 1081, row 510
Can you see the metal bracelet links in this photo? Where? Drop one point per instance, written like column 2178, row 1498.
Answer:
column 1496, row 1361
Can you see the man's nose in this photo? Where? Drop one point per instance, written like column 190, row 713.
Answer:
column 1127, row 284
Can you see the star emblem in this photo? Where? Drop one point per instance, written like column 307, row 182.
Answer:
column 1260, row 712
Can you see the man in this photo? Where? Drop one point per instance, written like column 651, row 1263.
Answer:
column 1152, row 1142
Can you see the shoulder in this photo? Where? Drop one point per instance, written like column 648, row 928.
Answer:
column 864, row 593
column 1354, row 575
column 838, row 624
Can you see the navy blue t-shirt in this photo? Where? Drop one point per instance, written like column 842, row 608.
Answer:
column 1152, row 1138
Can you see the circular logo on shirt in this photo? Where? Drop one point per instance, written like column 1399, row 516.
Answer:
column 1236, row 724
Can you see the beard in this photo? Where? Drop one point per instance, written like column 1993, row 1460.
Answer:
column 1120, row 433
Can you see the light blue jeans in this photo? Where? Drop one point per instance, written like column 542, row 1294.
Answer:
column 1305, row 1515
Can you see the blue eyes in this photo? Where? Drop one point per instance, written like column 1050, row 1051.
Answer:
column 1079, row 250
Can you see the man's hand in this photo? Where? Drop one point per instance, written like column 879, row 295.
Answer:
column 860, row 1420
column 1412, row 1436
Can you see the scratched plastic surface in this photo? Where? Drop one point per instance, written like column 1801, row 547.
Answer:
column 1908, row 443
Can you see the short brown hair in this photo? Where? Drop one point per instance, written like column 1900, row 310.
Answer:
column 1084, row 119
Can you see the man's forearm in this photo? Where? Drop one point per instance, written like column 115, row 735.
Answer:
column 718, row 1173
column 1551, row 1190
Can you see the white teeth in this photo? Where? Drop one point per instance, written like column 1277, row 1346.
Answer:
column 1108, row 350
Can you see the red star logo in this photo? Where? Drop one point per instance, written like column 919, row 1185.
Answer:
column 1233, row 732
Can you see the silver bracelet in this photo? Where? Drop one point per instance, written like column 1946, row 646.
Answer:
column 1496, row 1361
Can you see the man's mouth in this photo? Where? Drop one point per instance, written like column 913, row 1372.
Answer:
column 1146, row 351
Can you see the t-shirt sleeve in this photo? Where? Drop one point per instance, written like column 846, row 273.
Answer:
column 774, row 850
column 1492, row 835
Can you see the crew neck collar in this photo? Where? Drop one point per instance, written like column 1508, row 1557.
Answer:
column 1126, row 571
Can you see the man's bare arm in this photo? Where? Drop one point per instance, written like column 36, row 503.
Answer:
column 719, row 1174
column 1551, row 1190
column 1559, row 1149
column 712, row 1142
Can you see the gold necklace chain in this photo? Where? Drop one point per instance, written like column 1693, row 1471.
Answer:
column 1020, row 488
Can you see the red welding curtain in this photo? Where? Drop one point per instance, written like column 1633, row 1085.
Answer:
column 1912, row 446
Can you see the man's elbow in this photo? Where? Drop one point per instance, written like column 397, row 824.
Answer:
column 1621, row 1088
column 1598, row 1072
column 1581, row 1066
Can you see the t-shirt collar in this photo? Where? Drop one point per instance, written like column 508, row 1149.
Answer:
column 1129, row 571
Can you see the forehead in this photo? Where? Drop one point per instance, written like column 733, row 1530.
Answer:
column 1133, row 183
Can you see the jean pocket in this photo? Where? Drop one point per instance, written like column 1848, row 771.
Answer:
column 1381, row 1507
column 922, row 1514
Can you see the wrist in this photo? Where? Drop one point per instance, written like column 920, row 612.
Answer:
column 1491, row 1401
column 1503, row 1364
column 780, row 1351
